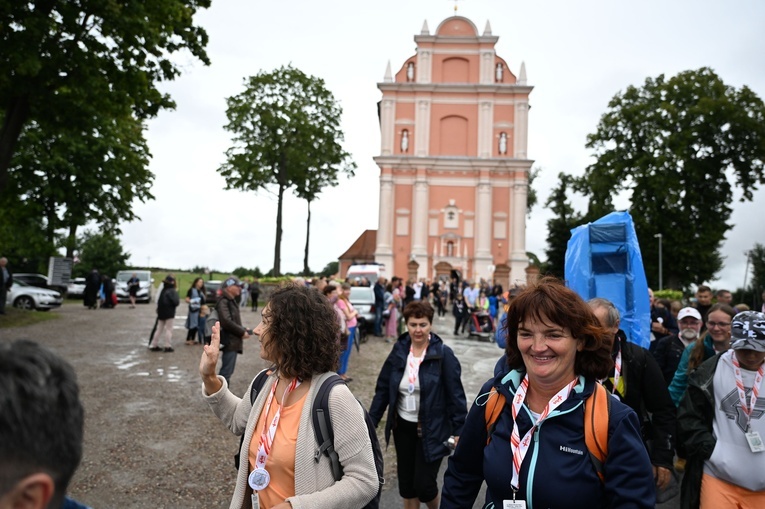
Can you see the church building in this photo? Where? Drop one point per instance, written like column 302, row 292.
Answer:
column 453, row 163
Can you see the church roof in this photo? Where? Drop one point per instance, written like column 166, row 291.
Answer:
column 363, row 249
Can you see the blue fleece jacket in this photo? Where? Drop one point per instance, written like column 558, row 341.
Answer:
column 557, row 470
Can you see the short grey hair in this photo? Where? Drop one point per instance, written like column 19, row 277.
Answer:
column 612, row 317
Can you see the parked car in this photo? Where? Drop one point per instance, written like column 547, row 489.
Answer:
column 212, row 292
column 363, row 300
column 37, row 280
column 25, row 296
column 144, row 290
column 76, row 287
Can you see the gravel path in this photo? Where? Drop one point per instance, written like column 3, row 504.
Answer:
column 150, row 440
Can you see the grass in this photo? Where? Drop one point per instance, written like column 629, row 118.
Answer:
column 184, row 279
column 21, row 318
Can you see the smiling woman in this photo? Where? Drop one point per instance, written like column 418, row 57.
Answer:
column 556, row 351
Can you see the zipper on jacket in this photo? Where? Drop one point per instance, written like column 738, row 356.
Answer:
column 533, row 465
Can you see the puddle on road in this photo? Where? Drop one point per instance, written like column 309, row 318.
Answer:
column 129, row 361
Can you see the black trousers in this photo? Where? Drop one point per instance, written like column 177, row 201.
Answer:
column 416, row 477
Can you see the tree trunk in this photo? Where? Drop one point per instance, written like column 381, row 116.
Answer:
column 71, row 240
column 16, row 115
column 278, row 246
column 306, row 270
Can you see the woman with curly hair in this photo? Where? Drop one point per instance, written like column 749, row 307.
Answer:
column 535, row 453
column 297, row 335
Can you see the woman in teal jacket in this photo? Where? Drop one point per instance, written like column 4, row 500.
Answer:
column 717, row 339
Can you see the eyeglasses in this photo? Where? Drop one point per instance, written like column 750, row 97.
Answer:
column 718, row 324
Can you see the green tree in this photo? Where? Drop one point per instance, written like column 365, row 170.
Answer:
column 285, row 128
column 102, row 251
column 678, row 146
column 315, row 180
column 531, row 198
column 330, row 269
column 559, row 227
column 78, row 174
column 106, row 54
column 757, row 260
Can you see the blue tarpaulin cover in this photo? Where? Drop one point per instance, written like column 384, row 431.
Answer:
column 603, row 260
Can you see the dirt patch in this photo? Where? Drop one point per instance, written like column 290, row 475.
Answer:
column 150, row 440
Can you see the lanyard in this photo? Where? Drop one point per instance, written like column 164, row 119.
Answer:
column 617, row 370
column 518, row 446
column 740, row 387
column 414, row 367
column 267, row 437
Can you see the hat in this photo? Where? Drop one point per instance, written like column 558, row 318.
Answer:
column 169, row 280
column 748, row 331
column 686, row 312
column 230, row 281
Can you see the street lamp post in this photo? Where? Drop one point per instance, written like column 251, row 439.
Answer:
column 661, row 282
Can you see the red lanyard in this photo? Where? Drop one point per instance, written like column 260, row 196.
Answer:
column 267, row 436
column 518, row 446
column 742, row 392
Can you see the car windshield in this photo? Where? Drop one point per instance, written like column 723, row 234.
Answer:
column 362, row 294
column 123, row 277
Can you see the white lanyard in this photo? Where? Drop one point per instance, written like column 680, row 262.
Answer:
column 518, row 446
column 414, row 367
column 742, row 392
column 617, row 369
column 267, row 437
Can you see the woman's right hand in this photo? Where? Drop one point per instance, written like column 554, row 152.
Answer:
column 209, row 362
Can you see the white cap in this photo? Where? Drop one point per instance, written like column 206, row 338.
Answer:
column 692, row 312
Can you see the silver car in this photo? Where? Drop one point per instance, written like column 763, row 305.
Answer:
column 363, row 300
column 144, row 289
column 25, row 296
column 76, row 287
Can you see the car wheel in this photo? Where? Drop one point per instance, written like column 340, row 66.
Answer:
column 24, row 302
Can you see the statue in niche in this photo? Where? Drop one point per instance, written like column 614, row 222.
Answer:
column 503, row 143
column 450, row 248
column 405, row 140
column 500, row 72
column 410, row 71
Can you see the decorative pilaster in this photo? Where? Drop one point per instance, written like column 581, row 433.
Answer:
column 483, row 226
column 422, row 128
column 387, row 127
column 424, row 66
column 521, row 128
column 518, row 259
column 486, row 71
column 384, row 246
column 485, row 131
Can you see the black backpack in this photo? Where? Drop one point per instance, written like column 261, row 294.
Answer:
column 324, row 432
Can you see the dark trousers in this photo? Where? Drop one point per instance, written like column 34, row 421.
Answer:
column 416, row 477
column 378, row 319
column 3, row 298
column 228, row 365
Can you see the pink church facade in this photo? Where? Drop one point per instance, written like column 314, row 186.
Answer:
column 453, row 162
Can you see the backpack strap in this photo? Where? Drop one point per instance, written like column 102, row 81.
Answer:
column 258, row 382
column 597, row 410
column 491, row 411
column 322, row 425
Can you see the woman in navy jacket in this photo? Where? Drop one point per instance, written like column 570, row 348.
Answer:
column 555, row 351
column 421, row 387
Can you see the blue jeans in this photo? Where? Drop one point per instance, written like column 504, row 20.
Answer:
column 378, row 319
column 201, row 329
column 344, row 356
column 227, row 368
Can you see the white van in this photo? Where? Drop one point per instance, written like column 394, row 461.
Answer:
column 371, row 271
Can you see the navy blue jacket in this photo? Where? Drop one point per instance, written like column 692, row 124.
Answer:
column 556, row 471
column 442, row 399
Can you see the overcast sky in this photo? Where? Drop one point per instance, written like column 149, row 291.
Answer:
column 577, row 55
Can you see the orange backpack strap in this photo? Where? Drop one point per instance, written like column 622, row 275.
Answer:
column 491, row 410
column 597, row 410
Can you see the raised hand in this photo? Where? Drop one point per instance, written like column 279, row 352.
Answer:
column 209, row 361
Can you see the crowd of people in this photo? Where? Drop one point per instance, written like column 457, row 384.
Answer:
column 573, row 415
